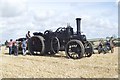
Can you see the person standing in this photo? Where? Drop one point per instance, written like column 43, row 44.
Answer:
column 107, row 44
column 6, row 44
column 15, row 48
column 10, row 46
column 112, row 44
column 100, row 46
column 28, row 35
column 24, row 45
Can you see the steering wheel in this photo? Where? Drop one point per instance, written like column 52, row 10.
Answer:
column 47, row 31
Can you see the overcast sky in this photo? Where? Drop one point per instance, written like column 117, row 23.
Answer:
column 99, row 19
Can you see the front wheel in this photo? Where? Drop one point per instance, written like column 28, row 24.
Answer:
column 74, row 49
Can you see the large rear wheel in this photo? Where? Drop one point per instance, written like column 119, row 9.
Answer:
column 55, row 46
column 36, row 45
column 74, row 49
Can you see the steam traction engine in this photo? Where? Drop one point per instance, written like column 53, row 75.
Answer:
column 74, row 44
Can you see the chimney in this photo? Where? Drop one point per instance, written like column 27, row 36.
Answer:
column 78, row 20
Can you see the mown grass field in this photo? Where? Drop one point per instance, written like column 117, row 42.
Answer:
column 96, row 66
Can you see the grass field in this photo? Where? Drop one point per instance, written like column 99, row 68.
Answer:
column 96, row 66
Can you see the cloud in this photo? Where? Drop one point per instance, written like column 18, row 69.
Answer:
column 98, row 19
column 39, row 1
column 99, row 26
column 12, row 8
column 117, row 1
column 43, row 15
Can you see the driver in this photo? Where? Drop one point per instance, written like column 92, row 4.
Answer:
column 28, row 35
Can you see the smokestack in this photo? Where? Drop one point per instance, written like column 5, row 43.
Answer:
column 78, row 20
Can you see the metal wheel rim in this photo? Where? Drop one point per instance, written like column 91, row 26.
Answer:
column 89, row 46
column 55, row 45
column 76, row 50
column 36, row 45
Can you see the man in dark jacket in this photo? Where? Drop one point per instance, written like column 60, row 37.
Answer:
column 28, row 35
